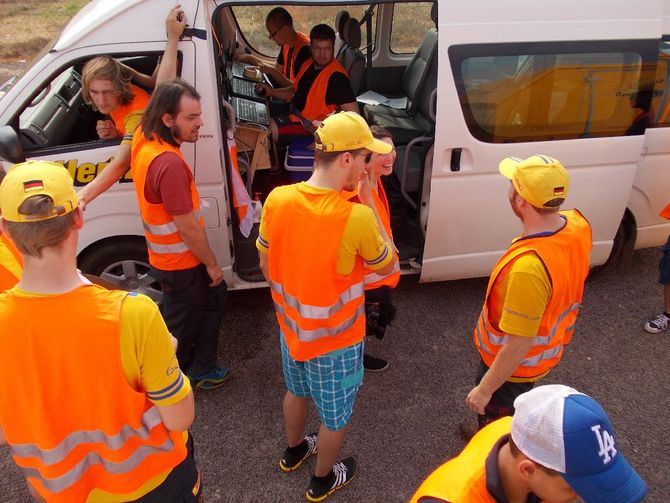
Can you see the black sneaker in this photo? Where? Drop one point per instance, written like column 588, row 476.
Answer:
column 343, row 472
column 374, row 364
column 290, row 462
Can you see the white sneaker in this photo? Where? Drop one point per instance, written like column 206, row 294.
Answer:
column 658, row 324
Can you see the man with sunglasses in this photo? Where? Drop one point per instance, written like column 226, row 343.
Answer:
column 314, row 249
column 294, row 50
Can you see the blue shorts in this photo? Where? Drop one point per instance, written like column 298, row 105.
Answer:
column 331, row 380
column 664, row 264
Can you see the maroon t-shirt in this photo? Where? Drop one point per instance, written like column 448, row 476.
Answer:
column 169, row 182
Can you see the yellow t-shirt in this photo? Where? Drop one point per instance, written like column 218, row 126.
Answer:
column 130, row 123
column 149, row 364
column 361, row 237
column 519, row 298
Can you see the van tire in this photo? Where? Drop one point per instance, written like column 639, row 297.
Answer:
column 622, row 248
column 123, row 262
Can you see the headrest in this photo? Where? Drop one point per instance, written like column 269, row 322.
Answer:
column 433, row 13
column 352, row 33
column 340, row 19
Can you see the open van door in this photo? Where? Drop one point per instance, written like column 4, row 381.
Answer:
column 527, row 77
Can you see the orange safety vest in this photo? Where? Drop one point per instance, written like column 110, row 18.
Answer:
column 301, row 41
column 463, row 479
column 665, row 212
column 565, row 255
column 318, row 310
column 373, row 279
column 316, row 107
column 71, row 419
column 11, row 263
column 167, row 250
column 137, row 104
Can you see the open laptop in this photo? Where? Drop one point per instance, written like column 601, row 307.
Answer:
column 250, row 111
column 245, row 89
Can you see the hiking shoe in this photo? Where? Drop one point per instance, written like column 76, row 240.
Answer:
column 374, row 364
column 343, row 472
column 210, row 380
column 291, row 461
column 658, row 324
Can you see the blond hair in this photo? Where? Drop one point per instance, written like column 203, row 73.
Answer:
column 107, row 68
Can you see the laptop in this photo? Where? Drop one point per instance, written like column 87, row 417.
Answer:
column 245, row 88
column 250, row 111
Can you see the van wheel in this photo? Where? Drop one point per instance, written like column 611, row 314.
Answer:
column 124, row 263
column 622, row 248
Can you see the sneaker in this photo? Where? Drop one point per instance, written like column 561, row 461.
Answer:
column 210, row 380
column 343, row 472
column 290, row 462
column 374, row 364
column 658, row 324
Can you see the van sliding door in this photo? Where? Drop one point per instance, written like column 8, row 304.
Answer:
column 527, row 77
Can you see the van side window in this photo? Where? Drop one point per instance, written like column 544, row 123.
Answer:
column 547, row 95
column 661, row 98
column 251, row 20
column 57, row 117
column 410, row 23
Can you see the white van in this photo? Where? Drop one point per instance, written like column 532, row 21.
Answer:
column 585, row 82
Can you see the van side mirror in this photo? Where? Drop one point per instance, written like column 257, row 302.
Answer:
column 10, row 146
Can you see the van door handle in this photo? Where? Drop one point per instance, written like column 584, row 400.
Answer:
column 456, row 159
column 194, row 32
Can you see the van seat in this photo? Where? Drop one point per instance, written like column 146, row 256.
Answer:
column 351, row 57
column 340, row 19
column 419, row 80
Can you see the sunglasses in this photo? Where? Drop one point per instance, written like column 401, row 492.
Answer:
column 368, row 157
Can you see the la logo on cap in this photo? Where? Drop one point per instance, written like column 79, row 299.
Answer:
column 606, row 443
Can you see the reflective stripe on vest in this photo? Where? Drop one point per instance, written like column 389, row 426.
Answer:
column 150, row 419
column 373, row 277
column 312, row 335
column 170, row 227
column 318, row 312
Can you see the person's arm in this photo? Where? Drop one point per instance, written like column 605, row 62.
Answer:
column 282, row 93
column 179, row 416
column 195, row 238
column 276, row 72
column 108, row 177
column 365, row 189
column 505, row 363
column 263, row 262
column 174, row 26
column 375, row 250
column 141, row 78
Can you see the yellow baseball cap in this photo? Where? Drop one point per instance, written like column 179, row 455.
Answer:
column 346, row 131
column 35, row 178
column 540, row 180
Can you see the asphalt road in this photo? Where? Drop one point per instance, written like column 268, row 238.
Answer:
column 405, row 420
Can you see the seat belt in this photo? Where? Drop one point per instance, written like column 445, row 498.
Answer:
column 367, row 19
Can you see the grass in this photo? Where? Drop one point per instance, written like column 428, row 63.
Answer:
column 27, row 25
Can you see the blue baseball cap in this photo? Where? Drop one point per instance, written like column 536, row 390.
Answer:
column 569, row 432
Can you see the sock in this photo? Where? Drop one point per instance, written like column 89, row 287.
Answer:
column 326, row 480
column 298, row 450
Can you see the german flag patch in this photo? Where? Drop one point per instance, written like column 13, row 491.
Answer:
column 31, row 185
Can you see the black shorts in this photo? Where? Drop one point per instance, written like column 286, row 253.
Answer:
column 502, row 400
column 664, row 264
column 182, row 485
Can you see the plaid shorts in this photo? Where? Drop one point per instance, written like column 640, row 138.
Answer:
column 331, row 380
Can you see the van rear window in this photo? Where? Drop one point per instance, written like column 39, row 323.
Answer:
column 540, row 92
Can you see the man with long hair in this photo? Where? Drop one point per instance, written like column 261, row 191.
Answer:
column 106, row 85
column 180, row 256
